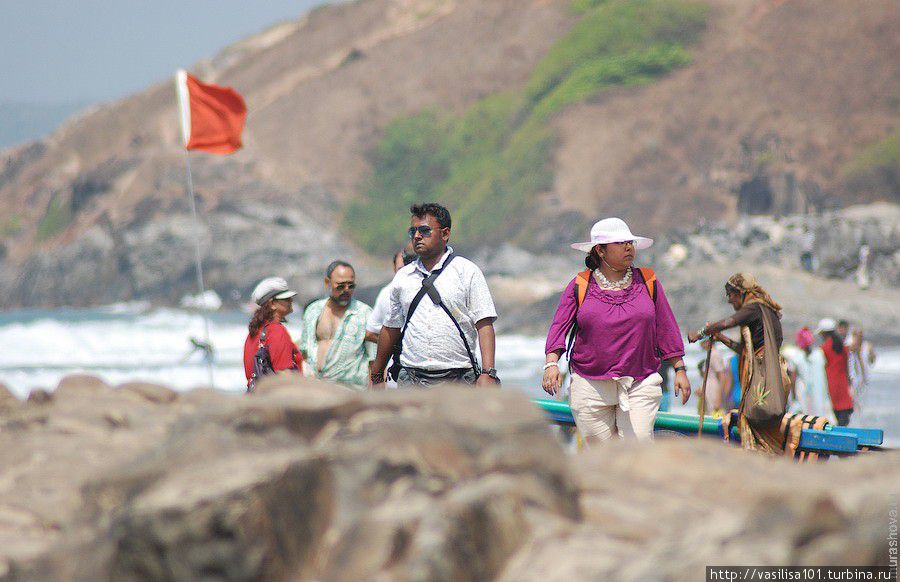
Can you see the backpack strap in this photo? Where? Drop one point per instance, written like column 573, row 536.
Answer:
column 427, row 283
column 582, row 280
column 262, row 336
column 649, row 280
column 435, row 297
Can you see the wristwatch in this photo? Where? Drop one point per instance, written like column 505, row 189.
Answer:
column 681, row 368
column 492, row 372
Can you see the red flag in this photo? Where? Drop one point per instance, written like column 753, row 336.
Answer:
column 212, row 117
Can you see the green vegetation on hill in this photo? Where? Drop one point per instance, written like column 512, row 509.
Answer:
column 57, row 218
column 11, row 226
column 876, row 170
column 489, row 164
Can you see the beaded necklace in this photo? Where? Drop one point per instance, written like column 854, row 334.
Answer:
column 608, row 285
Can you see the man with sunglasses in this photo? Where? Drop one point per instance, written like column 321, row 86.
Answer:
column 437, row 341
column 334, row 331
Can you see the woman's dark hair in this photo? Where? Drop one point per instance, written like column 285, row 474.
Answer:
column 441, row 214
column 407, row 258
column 592, row 260
column 265, row 313
column 836, row 342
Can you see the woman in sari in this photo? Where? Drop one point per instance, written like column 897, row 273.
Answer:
column 764, row 398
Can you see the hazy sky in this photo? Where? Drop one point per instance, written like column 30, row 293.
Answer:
column 98, row 50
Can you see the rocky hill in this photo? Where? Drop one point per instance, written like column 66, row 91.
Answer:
column 309, row 481
column 773, row 107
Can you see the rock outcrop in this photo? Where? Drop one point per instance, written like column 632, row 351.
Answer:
column 306, row 480
column 303, row 480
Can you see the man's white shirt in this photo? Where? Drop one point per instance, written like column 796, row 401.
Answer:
column 380, row 310
column 432, row 342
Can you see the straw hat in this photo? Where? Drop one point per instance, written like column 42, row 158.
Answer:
column 611, row 230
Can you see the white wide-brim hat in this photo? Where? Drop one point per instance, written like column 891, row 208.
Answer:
column 611, row 230
column 826, row 324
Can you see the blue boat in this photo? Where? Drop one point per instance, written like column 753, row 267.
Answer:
column 834, row 440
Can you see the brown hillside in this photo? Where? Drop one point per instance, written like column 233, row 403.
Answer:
column 787, row 90
column 781, row 92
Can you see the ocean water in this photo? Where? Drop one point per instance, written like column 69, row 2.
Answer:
column 131, row 342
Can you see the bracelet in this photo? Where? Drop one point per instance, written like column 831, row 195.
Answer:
column 681, row 368
column 551, row 365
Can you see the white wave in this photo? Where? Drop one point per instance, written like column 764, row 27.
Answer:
column 126, row 307
column 130, row 343
column 209, row 300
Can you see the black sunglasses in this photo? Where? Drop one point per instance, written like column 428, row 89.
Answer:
column 424, row 230
column 342, row 286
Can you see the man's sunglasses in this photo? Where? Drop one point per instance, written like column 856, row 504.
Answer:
column 342, row 286
column 424, row 230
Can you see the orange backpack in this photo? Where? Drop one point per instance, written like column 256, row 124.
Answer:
column 582, row 280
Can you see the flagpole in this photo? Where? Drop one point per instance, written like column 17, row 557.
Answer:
column 199, row 265
column 220, row 117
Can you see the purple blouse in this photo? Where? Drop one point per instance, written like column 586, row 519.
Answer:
column 619, row 332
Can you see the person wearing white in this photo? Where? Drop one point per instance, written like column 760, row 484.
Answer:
column 433, row 350
column 862, row 271
column 432, row 341
column 621, row 405
column 383, row 301
column 810, row 382
column 861, row 359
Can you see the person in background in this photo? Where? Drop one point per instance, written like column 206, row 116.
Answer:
column 734, row 365
column 862, row 271
column 665, row 371
column 764, row 381
column 622, row 329
column 267, row 334
column 862, row 358
column 836, row 370
column 383, row 302
column 843, row 330
column 437, row 336
column 334, row 331
column 808, row 245
column 810, row 383
column 715, row 400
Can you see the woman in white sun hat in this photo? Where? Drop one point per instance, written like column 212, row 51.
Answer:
column 620, row 326
column 268, row 347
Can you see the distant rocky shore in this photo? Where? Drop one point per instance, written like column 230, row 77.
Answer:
column 307, row 481
column 693, row 265
column 152, row 261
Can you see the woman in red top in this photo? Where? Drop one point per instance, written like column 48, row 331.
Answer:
column 275, row 301
column 837, row 371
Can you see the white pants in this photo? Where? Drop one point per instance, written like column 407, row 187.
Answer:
column 618, row 406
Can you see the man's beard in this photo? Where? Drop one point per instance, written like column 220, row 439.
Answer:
column 342, row 301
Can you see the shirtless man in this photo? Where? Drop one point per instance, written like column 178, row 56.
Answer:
column 334, row 330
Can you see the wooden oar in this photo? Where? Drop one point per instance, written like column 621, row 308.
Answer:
column 703, row 390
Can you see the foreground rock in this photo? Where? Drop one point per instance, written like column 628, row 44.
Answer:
column 305, row 480
column 666, row 512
